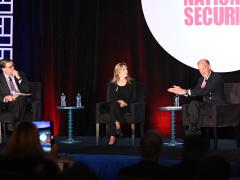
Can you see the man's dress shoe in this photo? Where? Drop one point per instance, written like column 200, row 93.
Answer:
column 194, row 131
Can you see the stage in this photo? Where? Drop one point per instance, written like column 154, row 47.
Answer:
column 123, row 146
column 107, row 160
column 87, row 145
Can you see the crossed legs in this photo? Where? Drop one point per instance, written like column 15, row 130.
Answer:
column 18, row 109
column 191, row 112
column 112, row 139
column 114, row 125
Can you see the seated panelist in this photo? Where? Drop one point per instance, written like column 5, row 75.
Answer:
column 210, row 87
column 13, row 82
column 121, row 94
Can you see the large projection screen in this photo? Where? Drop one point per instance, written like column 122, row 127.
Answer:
column 190, row 30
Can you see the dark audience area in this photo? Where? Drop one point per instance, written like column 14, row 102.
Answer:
column 22, row 158
column 28, row 168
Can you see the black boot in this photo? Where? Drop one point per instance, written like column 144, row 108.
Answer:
column 189, row 129
column 119, row 132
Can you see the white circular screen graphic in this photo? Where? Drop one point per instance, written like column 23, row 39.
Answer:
column 190, row 30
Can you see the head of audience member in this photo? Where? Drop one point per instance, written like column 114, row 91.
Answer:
column 151, row 146
column 23, row 153
column 24, row 142
column 195, row 147
column 204, row 68
column 214, row 167
column 7, row 66
column 121, row 72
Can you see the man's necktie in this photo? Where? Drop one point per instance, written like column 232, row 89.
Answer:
column 203, row 84
column 12, row 87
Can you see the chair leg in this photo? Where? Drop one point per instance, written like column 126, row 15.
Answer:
column 4, row 132
column 107, row 130
column 142, row 128
column 97, row 133
column 207, row 132
column 237, row 135
column 133, row 134
column 215, row 137
column 1, row 140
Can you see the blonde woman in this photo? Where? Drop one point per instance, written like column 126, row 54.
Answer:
column 121, row 95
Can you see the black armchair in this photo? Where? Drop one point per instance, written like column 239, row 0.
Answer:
column 36, row 100
column 223, row 115
column 34, row 105
column 136, row 115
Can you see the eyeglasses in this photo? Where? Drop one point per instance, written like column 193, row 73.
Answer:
column 10, row 66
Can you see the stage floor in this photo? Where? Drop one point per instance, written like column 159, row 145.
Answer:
column 87, row 145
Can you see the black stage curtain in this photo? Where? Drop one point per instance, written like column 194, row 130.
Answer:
column 72, row 46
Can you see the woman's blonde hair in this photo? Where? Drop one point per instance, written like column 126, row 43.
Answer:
column 117, row 71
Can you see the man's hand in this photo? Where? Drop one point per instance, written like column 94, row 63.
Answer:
column 177, row 90
column 122, row 103
column 9, row 98
column 16, row 74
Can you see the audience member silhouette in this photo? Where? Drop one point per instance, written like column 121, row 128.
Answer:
column 195, row 149
column 23, row 154
column 78, row 171
column 214, row 167
column 148, row 168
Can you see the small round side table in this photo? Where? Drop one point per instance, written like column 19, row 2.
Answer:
column 70, row 139
column 172, row 109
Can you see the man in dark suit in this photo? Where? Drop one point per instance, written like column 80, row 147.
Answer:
column 210, row 87
column 13, row 82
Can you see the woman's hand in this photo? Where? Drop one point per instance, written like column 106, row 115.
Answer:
column 122, row 103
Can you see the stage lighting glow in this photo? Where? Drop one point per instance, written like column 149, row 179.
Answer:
column 190, row 30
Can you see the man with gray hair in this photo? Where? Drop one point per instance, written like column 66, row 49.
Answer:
column 210, row 87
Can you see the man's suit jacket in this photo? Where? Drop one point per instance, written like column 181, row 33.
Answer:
column 213, row 92
column 4, row 89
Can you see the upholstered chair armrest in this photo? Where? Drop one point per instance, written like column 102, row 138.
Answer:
column 36, row 109
column 101, row 107
column 138, row 111
column 226, row 114
column 3, row 107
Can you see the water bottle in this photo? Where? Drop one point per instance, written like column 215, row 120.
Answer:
column 176, row 100
column 63, row 99
column 78, row 100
